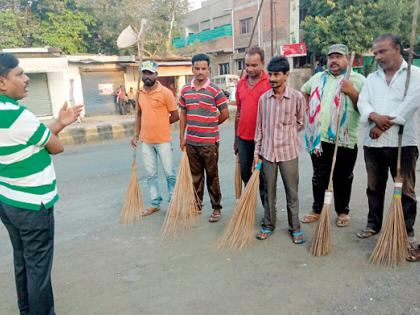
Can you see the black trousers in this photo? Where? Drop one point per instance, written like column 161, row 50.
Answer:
column 246, row 158
column 32, row 237
column 379, row 161
column 342, row 177
column 204, row 159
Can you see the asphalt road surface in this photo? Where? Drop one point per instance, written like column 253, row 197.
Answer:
column 102, row 267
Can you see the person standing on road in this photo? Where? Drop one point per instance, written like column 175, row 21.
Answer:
column 281, row 116
column 323, row 94
column 248, row 92
column 384, row 109
column 203, row 107
column 157, row 110
column 131, row 96
column 28, row 189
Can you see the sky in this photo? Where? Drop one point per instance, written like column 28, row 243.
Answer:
column 194, row 4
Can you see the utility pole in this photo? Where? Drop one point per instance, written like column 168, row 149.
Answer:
column 272, row 27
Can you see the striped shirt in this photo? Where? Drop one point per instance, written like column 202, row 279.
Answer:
column 202, row 107
column 27, row 177
column 278, row 124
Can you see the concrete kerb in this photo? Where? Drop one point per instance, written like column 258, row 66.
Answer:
column 117, row 129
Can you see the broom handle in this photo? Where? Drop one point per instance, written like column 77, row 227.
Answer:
column 339, row 114
column 407, row 81
column 140, row 56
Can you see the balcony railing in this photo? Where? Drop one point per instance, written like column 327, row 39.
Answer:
column 217, row 32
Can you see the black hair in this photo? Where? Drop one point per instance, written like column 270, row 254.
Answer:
column 278, row 64
column 200, row 57
column 395, row 40
column 255, row 50
column 7, row 63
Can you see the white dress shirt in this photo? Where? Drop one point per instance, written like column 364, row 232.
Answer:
column 379, row 97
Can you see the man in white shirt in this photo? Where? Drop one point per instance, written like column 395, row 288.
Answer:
column 384, row 109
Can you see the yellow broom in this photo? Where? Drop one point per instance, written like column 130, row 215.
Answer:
column 133, row 204
column 321, row 244
column 183, row 208
column 392, row 247
column 238, row 179
column 240, row 230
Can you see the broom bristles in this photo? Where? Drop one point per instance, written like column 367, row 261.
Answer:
column 391, row 249
column 133, row 204
column 321, row 244
column 183, row 208
column 239, row 232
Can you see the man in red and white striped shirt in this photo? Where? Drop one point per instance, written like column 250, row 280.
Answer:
column 281, row 115
column 203, row 107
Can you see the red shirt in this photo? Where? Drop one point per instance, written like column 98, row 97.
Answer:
column 247, row 101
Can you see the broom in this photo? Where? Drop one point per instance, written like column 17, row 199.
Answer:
column 238, row 179
column 240, row 230
column 133, row 205
column 392, row 247
column 183, row 208
column 322, row 238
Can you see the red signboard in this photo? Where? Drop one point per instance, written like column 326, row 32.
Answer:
column 293, row 50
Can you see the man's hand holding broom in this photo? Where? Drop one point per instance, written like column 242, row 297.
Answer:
column 134, row 141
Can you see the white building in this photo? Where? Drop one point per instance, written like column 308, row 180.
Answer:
column 87, row 79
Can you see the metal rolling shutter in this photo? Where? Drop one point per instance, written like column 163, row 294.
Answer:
column 38, row 99
column 95, row 102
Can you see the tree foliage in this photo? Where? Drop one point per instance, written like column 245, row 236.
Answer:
column 68, row 30
column 78, row 26
column 10, row 31
column 355, row 23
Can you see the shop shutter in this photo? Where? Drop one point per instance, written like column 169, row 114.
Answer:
column 97, row 91
column 38, row 99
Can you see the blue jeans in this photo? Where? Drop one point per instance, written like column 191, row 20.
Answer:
column 151, row 152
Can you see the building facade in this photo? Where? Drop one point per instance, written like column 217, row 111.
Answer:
column 87, row 79
column 223, row 29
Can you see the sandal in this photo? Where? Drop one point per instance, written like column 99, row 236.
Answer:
column 263, row 234
column 310, row 218
column 215, row 216
column 342, row 220
column 297, row 237
column 149, row 211
column 366, row 233
column 414, row 255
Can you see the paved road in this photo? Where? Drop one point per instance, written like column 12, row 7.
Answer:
column 101, row 267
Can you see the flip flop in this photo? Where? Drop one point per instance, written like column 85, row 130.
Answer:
column 297, row 237
column 366, row 233
column 263, row 234
column 414, row 255
column 342, row 220
column 310, row 218
column 215, row 217
column 149, row 211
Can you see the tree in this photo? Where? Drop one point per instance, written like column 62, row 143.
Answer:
column 68, row 30
column 78, row 26
column 10, row 32
column 355, row 23
column 164, row 23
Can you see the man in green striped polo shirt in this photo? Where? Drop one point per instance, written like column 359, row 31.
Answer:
column 28, row 187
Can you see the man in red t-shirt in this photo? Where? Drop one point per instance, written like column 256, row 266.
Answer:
column 248, row 92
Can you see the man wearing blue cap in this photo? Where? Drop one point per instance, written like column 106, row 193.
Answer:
column 157, row 109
